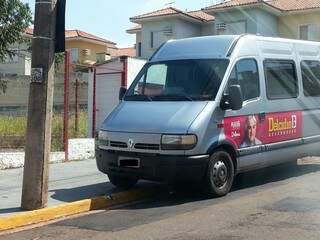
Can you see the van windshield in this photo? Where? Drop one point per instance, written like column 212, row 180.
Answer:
column 178, row 80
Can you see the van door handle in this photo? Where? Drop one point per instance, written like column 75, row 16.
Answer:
column 262, row 116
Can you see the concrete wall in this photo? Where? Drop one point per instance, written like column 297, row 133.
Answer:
column 289, row 25
column 208, row 29
column 156, row 27
column 256, row 21
column 180, row 29
column 17, row 90
column 184, row 29
column 267, row 24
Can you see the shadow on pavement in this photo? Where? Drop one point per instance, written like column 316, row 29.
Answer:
column 10, row 210
column 272, row 174
column 182, row 199
column 83, row 192
column 90, row 191
column 243, row 184
column 189, row 192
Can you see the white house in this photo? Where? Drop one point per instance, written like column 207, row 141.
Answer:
column 296, row 19
column 20, row 63
column 157, row 27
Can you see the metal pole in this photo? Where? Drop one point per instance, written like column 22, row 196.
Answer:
column 94, row 106
column 38, row 134
column 66, row 105
column 77, row 108
column 124, row 79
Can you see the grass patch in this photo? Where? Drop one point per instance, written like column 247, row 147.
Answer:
column 13, row 128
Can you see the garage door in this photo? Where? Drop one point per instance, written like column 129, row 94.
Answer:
column 107, row 95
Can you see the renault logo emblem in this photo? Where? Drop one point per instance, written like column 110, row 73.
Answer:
column 130, row 143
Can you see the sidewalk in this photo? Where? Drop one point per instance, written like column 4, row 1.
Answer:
column 68, row 182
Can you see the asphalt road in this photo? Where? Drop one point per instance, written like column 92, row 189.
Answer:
column 276, row 203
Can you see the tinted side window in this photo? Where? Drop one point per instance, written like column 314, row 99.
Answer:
column 246, row 74
column 281, row 79
column 311, row 78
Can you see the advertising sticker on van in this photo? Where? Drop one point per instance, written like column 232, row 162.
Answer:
column 252, row 130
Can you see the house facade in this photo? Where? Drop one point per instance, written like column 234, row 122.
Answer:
column 157, row 27
column 296, row 19
column 85, row 50
column 20, row 63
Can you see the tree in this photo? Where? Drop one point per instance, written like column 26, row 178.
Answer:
column 15, row 17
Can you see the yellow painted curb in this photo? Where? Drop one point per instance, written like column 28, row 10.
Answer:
column 68, row 209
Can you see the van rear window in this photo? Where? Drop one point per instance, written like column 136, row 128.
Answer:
column 311, row 78
column 281, row 79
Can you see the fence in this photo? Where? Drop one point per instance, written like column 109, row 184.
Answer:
column 14, row 91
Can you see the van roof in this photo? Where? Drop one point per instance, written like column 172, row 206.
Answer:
column 221, row 46
column 195, row 48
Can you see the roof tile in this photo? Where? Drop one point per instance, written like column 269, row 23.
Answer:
column 78, row 33
column 283, row 5
column 130, row 52
column 199, row 15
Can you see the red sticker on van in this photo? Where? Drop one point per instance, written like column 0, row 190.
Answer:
column 252, row 130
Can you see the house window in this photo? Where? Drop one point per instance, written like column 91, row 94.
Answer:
column 151, row 39
column 139, row 49
column 74, row 55
column 308, row 32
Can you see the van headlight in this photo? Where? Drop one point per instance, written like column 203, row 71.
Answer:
column 178, row 142
column 103, row 138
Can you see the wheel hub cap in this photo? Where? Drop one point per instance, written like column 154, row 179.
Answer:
column 220, row 174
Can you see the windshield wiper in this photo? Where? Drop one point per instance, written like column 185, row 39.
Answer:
column 172, row 97
column 137, row 98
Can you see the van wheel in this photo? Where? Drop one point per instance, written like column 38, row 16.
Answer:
column 220, row 174
column 122, row 182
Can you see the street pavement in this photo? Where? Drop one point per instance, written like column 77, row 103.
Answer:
column 68, row 182
column 276, row 203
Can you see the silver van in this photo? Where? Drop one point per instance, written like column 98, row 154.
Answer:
column 205, row 109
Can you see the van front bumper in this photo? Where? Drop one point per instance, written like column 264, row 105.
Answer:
column 168, row 168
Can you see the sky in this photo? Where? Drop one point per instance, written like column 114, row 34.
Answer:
column 110, row 18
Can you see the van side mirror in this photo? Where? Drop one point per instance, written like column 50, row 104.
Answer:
column 122, row 92
column 233, row 100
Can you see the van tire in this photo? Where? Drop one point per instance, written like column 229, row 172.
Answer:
column 122, row 182
column 220, row 174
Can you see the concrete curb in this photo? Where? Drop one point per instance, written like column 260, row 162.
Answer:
column 79, row 149
column 68, row 209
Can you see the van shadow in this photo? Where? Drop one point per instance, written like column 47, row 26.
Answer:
column 90, row 191
column 272, row 175
column 192, row 195
column 188, row 192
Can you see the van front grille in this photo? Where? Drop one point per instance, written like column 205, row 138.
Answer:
column 118, row 144
column 147, row 146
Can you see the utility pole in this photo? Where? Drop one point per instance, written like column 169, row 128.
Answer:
column 38, row 135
